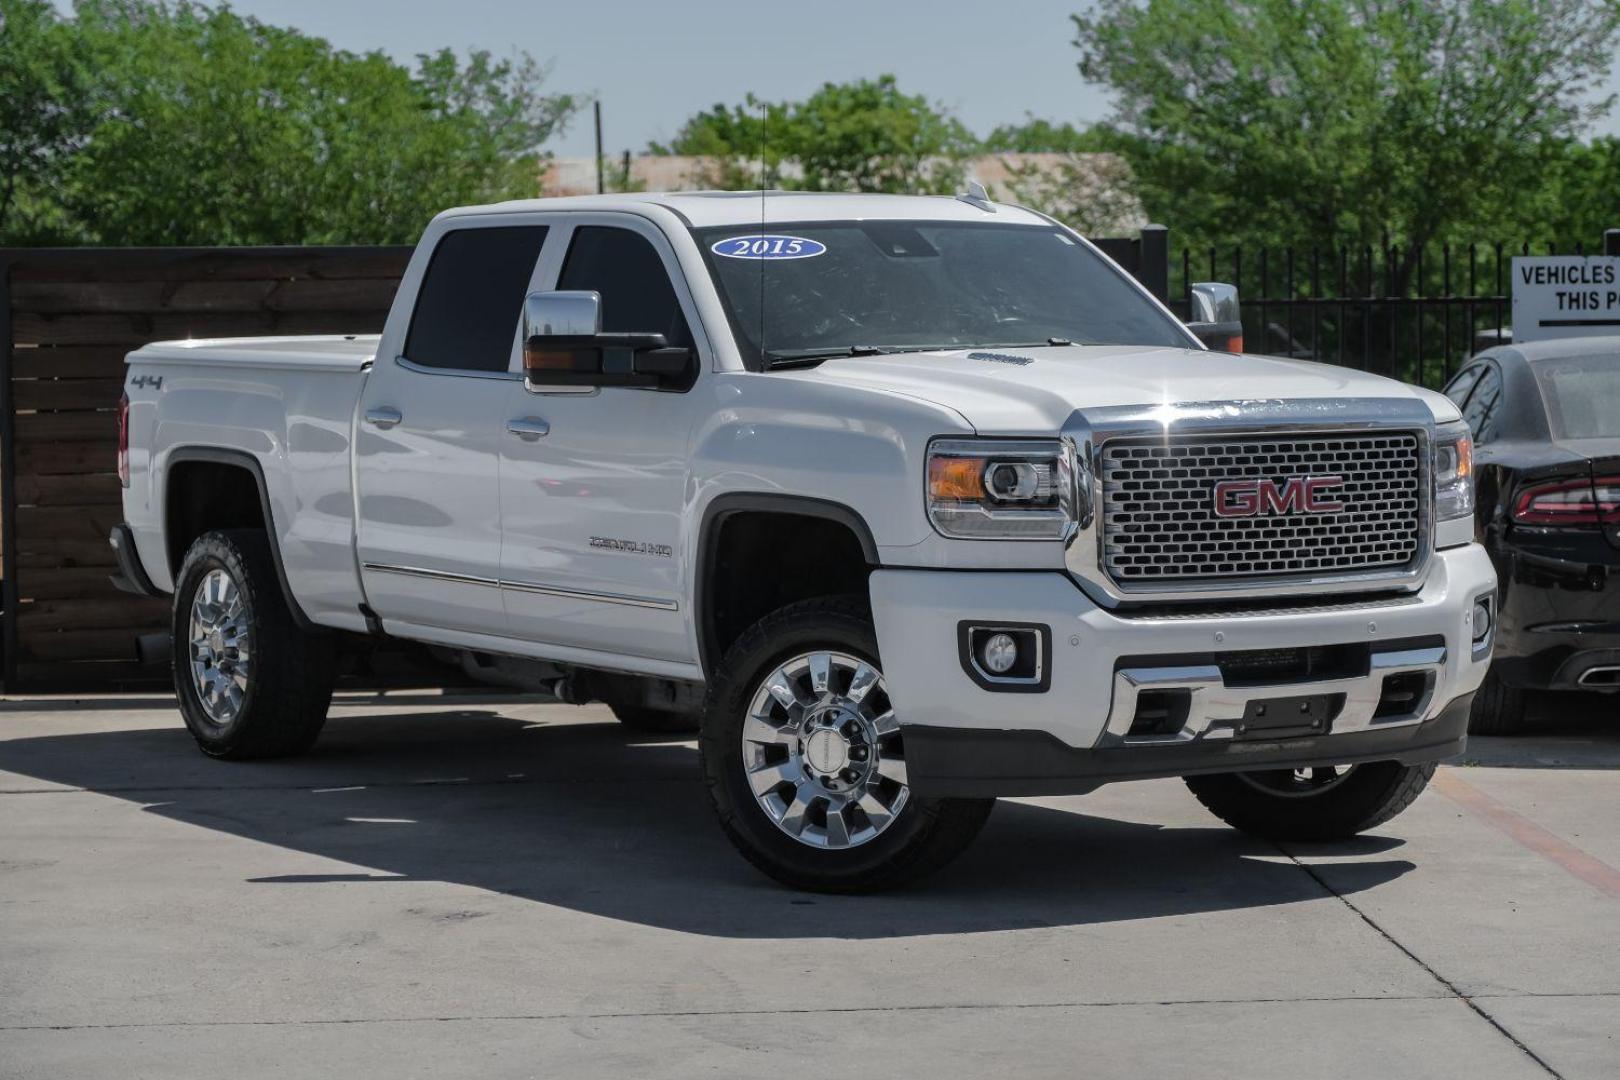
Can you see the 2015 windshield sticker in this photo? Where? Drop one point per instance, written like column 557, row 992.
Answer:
column 768, row 247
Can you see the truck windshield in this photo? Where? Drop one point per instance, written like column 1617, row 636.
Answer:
column 797, row 292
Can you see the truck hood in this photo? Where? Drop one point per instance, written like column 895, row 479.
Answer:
column 1033, row 391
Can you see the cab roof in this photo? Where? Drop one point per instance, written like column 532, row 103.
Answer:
column 703, row 209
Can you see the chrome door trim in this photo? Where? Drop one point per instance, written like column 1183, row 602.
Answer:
column 433, row 575
column 1087, row 430
column 600, row 597
column 464, row 373
column 525, row 587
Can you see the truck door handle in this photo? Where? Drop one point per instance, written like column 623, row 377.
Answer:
column 385, row 416
column 528, row 428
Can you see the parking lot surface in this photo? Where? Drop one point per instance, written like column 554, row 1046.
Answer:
column 494, row 887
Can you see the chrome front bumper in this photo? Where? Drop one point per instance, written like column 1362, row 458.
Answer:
column 1103, row 660
column 1219, row 711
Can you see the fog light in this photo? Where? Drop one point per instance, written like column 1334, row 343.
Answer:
column 1006, row 658
column 1000, row 653
column 1481, row 623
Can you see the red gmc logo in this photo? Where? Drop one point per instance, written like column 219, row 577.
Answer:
column 1296, row 495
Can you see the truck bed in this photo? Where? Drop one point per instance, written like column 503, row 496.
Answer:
column 273, row 411
column 310, row 353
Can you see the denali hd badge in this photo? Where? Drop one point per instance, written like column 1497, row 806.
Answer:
column 633, row 547
column 1295, row 495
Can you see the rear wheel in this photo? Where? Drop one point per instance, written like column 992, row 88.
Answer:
column 1318, row 803
column 250, row 683
column 1498, row 708
column 805, row 762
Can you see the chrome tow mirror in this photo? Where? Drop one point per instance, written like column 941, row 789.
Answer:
column 1216, row 317
column 564, row 345
column 562, row 314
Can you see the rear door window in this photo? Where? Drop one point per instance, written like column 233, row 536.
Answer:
column 471, row 298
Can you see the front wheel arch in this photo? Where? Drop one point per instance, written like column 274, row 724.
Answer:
column 838, row 536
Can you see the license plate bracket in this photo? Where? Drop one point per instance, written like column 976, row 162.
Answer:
column 1293, row 716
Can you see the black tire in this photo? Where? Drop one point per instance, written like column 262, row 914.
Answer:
column 1498, row 708
column 655, row 721
column 289, row 681
column 1364, row 799
column 925, row 834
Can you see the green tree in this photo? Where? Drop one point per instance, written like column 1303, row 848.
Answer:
column 1092, row 192
column 1316, row 122
column 196, row 125
column 42, row 120
column 1577, row 198
column 1085, row 185
column 859, row 136
column 1037, row 136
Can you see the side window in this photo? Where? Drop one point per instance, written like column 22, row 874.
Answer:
column 1481, row 411
column 637, row 296
column 1462, row 382
column 471, row 298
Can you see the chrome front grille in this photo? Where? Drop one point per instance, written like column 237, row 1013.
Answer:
column 1160, row 526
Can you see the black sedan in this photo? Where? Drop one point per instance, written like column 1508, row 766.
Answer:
column 1546, row 424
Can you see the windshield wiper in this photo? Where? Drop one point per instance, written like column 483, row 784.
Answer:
column 811, row 357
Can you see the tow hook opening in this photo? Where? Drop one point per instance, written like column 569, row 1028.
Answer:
column 1404, row 693
column 1160, row 713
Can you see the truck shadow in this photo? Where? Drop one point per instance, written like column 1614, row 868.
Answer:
column 589, row 817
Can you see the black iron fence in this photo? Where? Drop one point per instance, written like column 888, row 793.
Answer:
column 1411, row 313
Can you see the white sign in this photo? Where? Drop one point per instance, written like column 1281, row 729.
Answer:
column 1559, row 296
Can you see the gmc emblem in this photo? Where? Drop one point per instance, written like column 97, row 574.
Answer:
column 1296, row 495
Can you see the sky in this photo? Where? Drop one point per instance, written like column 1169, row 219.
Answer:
column 653, row 64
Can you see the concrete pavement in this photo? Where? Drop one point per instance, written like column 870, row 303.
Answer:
column 497, row 887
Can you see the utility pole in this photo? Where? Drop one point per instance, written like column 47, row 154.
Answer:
column 601, row 185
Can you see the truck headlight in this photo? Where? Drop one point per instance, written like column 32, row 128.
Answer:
column 1001, row 489
column 1453, row 472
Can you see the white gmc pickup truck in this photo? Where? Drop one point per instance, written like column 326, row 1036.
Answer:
column 905, row 503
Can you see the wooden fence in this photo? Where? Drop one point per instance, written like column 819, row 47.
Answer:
column 67, row 319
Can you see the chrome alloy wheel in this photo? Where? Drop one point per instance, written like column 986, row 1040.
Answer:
column 822, row 751
column 221, row 646
column 1298, row 783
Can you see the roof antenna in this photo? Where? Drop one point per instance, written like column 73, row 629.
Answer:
column 975, row 195
column 763, row 356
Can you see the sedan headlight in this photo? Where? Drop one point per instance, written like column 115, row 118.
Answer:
column 1453, row 472
column 993, row 489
